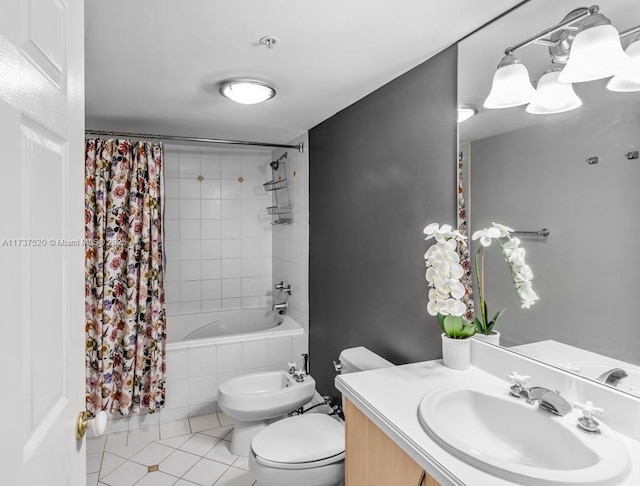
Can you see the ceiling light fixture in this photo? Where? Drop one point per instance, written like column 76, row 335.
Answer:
column 466, row 112
column 553, row 96
column 590, row 47
column 247, row 91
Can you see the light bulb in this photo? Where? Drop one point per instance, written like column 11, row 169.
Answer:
column 553, row 96
column 511, row 85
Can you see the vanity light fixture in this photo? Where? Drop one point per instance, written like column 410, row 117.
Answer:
column 511, row 85
column 596, row 51
column 247, row 91
column 466, row 112
column 590, row 47
column 629, row 79
column 553, row 96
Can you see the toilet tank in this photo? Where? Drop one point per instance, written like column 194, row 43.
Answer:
column 361, row 359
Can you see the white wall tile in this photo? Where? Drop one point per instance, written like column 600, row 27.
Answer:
column 190, row 307
column 252, row 286
column 190, row 250
column 231, row 228
column 189, row 229
column 250, row 302
column 278, row 351
column 171, row 292
column 229, row 357
column 173, row 308
column 210, row 189
column 189, row 189
column 210, row 208
column 203, row 389
column 189, row 166
column 190, row 209
column 190, row 270
column 202, row 361
column 172, row 250
column 251, row 267
column 232, row 248
column 177, row 364
column 234, row 303
column 211, row 249
column 177, row 395
column 211, row 229
column 211, row 289
column 231, row 288
column 210, row 165
column 230, row 189
column 254, row 354
column 171, row 187
column 190, row 291
column 172, row 208
column 172, row 229
column 231, row 268
column 171, row 165
column 230, row 209
column 211, row 305
column 211, row 269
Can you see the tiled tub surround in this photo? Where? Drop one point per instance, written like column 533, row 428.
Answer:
column 290, row 247
column 217, row 230
column 195, row 368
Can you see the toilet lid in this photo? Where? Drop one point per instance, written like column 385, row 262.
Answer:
column 298, row 441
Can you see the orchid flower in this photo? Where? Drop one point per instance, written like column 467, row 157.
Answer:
column 521, row 273
column 443, row 275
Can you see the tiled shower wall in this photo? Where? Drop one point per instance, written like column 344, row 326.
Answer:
column 217, row 230
column 291, row 241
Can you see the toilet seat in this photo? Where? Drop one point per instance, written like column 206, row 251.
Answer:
column 301, row 442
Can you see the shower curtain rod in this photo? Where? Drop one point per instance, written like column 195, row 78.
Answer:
column 299, row 147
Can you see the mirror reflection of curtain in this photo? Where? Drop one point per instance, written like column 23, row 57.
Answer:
column 463, row 248
column 124, row 294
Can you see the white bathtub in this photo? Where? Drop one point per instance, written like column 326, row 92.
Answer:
column 207, row 328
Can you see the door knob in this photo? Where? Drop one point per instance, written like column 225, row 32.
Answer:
column 97, row 425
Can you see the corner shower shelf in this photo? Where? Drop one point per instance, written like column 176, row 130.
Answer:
column 275, row 185
column 282, row 208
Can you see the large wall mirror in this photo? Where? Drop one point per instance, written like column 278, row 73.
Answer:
column 575, row 173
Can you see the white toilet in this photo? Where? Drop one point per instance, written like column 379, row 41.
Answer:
column 307, row 449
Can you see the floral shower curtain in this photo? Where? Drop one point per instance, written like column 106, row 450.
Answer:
column 124, row 294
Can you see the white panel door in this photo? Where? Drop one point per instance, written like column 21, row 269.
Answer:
column 41, row 241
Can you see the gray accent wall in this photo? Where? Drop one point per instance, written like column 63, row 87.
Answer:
column 586, row 271
column 380, row 171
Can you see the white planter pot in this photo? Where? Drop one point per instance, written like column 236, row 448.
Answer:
column 456, row 353
column 493, row 338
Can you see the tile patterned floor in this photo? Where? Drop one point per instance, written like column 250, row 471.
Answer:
column 192, row 452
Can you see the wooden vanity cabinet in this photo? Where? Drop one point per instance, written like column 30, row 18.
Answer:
column 373, row 459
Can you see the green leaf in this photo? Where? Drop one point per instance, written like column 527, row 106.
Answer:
column 478, row 324
column 456, row 327
column 497, row 317
column 441, row 321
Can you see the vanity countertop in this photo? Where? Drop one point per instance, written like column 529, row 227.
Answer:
column 389, row 397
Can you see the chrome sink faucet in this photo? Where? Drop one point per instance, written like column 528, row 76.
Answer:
column 550, row 400
column 612, row 377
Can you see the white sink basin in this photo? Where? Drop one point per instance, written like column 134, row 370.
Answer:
column 508, row 438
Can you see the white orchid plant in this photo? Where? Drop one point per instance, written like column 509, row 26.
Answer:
column 521, row 273
column 443, row 275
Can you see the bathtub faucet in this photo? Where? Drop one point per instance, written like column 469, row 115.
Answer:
column 280, row 308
